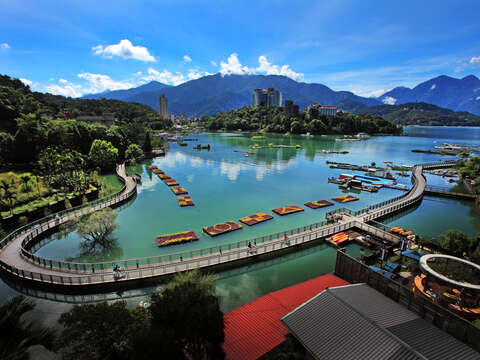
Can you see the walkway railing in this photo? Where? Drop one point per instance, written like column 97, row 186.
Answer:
column 153, row 270
column 163, row 264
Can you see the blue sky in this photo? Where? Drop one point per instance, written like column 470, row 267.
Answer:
column 368, row 47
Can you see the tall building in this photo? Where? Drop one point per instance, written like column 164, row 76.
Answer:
column 163, row 106
column 267, row 97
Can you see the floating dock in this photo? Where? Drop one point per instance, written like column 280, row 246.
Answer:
column 256, row 218
column 177, row 238
column 287, row 210
column 171, row 182
column 221, row 228
column 179, row 190
column 157, row 171
column 163, row 176
column 344, row 198
column 185, row 201
column 318, row 204
column 151, row 167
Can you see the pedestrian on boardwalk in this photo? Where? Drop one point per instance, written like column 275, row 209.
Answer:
column 249, row 245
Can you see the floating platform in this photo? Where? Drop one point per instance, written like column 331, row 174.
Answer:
column 177, row 238
column 179, row 190
column 318, row 204
column 163, row 176
column 170, row 182
column 344, row 198
column 157, row 171
column 185, row 201
column 287, row 210
column 256, row 218
column 222, row 228
column 151, row 167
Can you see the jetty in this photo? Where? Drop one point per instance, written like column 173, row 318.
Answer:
column 19, row 261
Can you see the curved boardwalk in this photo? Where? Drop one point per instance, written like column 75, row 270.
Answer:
column 18, row 261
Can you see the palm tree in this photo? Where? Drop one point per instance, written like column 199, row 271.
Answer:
column 21, row 334
column 26, row 186
column 8, row 193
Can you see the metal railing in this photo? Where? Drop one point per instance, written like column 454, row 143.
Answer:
column 157, row 269
column 163, row 263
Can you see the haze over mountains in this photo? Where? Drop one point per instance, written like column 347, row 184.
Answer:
column 215, row 93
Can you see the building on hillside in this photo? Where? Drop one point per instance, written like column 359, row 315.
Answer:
column 105, row 119
column 178, row 118
column 371, row 326
column 324, row 110
column 267, row 97
column 163, row 106
column 290, row 108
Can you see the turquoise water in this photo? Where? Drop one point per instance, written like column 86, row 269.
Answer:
column 225, row 185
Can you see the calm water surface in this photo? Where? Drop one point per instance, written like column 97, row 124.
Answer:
column 226, row 185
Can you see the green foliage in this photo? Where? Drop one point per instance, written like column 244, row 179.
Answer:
column 134, row 152
column 422, row 114
column 96, row 230
column 273, row 119
column 147, row 144
column 191, row 298
column 17, row 334
column 30, row 121
column 103, row 154
column 459, row 244
column 101, row 331
column 471, row 169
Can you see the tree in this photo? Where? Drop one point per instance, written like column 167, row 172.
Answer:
column 96, row 230
column 18, row 335
column 26, row 185
column 134, row 153
column 458, row 243
column 101, row 331
column 191, row 298
column 103, row 154
column 147, row 145
column 9, row 195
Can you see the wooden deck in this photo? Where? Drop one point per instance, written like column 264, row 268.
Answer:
column 18, row 261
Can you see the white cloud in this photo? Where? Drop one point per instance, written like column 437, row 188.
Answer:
column 68, row 90
column 269, row 69
column 99, row 83
column 4, row 46
column 213, row 63
column 26, row 81
column 194, row 74
column 165, row 77
column 388, row 100
column 233, row 67
column 433, row 87
column 63, row 81
column 51, row 79
column 124, row 49
column 187, row 58
column 478, row 98
column 475, row 60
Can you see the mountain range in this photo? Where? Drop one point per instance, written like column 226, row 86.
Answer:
column 212, row 94
column 444, row 91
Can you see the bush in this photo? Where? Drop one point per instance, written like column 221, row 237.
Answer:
column 22, row 220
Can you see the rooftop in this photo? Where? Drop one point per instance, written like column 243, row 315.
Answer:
column 370, row 326
column 255, row 328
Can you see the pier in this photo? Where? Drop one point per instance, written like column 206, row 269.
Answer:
column 17, row 260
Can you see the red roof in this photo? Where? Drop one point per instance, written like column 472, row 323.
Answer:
column 255, row 328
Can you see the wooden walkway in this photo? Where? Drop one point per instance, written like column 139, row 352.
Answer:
column 18, row 261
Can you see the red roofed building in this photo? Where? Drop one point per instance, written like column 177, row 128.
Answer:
column 255, row 328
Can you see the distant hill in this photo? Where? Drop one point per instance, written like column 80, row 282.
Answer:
column 421, row 114
column 215, row 93
column 447, row 92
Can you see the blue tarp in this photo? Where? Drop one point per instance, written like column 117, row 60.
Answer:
column 388, row 274
column 412, row 254
column 391, row 266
